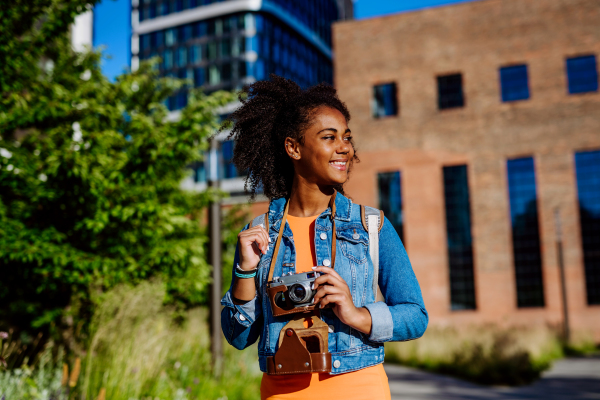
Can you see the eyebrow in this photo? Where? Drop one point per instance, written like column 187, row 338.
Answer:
column 334, row 130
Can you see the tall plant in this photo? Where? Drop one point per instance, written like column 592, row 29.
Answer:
column 90, row 174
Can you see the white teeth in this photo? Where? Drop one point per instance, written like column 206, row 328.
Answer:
column 338, row 162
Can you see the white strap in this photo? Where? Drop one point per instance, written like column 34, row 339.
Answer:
column 373, row 226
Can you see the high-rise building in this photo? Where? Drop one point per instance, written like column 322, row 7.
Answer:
column 226, row 44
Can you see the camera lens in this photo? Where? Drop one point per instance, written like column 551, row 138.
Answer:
column 297, row 293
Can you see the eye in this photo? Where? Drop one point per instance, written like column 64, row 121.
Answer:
column 348, row 138
column 329, row 137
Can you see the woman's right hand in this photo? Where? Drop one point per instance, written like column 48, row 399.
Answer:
column 252, row 242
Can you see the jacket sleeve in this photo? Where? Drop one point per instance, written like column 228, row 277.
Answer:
column 402, row 315
column 241, row 324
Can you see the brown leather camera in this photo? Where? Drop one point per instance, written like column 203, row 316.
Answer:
column 303, row 348
column 292, row 293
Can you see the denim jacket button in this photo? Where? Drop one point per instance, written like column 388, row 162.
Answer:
column 242, row 317
column 336, row 364
column 323, row 236
column 326, row 262
column 355, row 236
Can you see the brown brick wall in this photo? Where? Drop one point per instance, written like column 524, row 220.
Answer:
column 475, row 39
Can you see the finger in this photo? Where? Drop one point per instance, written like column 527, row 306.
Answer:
column 331, row 280
column 247, row 239
column 331, row 299
column 328, row 271
column 326, row 291
column 259, row 230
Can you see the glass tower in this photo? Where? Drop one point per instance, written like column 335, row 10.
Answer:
column 229, row 43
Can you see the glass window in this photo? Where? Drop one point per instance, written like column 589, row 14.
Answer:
column 450, row 91
column 587, row 166
column 582, row 74
column 199, row 77
column 229, row 170
column 214, row 75
column 212, row 51
column 181, row 57
column 170, row 37
column 168, row 59
column 513, row 83
column 196, row 53
column 385, row 100
column 225, row 48
column 390, row 199
column 458, row 235
column 525, row 232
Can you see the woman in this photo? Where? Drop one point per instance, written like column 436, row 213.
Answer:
column 296, row 145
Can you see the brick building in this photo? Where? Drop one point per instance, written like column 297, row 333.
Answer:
column 476, row 124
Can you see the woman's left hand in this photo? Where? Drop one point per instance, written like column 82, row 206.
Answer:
column 333, row 289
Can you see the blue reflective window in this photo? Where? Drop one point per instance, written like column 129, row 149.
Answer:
column 385, row 100
column 525, row 232
column 582, row 74
column 587, row 166
column 460, row 242
column 450, row 91
column 390, row 199
column 514, row 83
column 229, row 170
column 199, row 173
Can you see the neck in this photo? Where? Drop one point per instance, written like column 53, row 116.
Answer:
column 308, row 199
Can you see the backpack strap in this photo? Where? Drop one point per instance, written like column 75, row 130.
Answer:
column 372, row 220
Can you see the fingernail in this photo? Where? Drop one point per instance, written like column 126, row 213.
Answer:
column 320, row 305
column 268, row 237
column 314, row 267
column 312, row 287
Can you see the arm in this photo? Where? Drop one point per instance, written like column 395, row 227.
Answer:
column 402, row 316
column 242, row 313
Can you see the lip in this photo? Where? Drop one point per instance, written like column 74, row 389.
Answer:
column 339, row 167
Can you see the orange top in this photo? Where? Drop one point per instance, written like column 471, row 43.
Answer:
column 303, row 230
column 369, row 383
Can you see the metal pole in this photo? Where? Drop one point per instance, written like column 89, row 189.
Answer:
column 563, row 283
column 214, row 224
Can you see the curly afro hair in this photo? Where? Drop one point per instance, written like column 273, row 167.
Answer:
column 271, row 111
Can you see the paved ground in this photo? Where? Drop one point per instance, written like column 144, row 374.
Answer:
column 569, row 379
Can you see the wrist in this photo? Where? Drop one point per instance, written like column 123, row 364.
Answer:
column 247, row 266
column 363, row 320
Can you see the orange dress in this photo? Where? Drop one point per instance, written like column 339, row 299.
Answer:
column 369, row 383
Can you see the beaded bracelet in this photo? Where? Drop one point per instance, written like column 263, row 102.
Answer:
column 251, row 275
column 241, row 273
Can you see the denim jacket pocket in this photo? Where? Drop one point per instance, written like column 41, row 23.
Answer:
column 354, row 243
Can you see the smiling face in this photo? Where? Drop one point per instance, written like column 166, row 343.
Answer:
column 325, row 154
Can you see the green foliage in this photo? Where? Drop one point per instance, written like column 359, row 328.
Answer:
column 39, row 382
column 486, row 354
column 139, row 351
column 90, row 174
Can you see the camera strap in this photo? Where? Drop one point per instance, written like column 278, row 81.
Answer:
column 282, row 227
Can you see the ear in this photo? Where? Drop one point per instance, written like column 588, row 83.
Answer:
column 292, row 148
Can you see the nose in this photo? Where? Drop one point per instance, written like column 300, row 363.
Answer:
column 344, row 147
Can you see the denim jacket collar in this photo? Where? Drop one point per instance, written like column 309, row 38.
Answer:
column 343, row 210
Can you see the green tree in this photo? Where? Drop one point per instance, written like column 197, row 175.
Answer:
column 90, row 174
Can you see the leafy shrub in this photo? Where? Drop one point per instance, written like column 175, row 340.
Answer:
column 90, row 174
column 485, row 354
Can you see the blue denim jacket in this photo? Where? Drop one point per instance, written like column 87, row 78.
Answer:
column 401, row 317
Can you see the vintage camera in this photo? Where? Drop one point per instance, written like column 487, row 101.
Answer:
column 292, row 293
column 299, row 287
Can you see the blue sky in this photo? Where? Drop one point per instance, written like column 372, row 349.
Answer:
column 374, row 8
column 112, row 25
column 112, row 29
